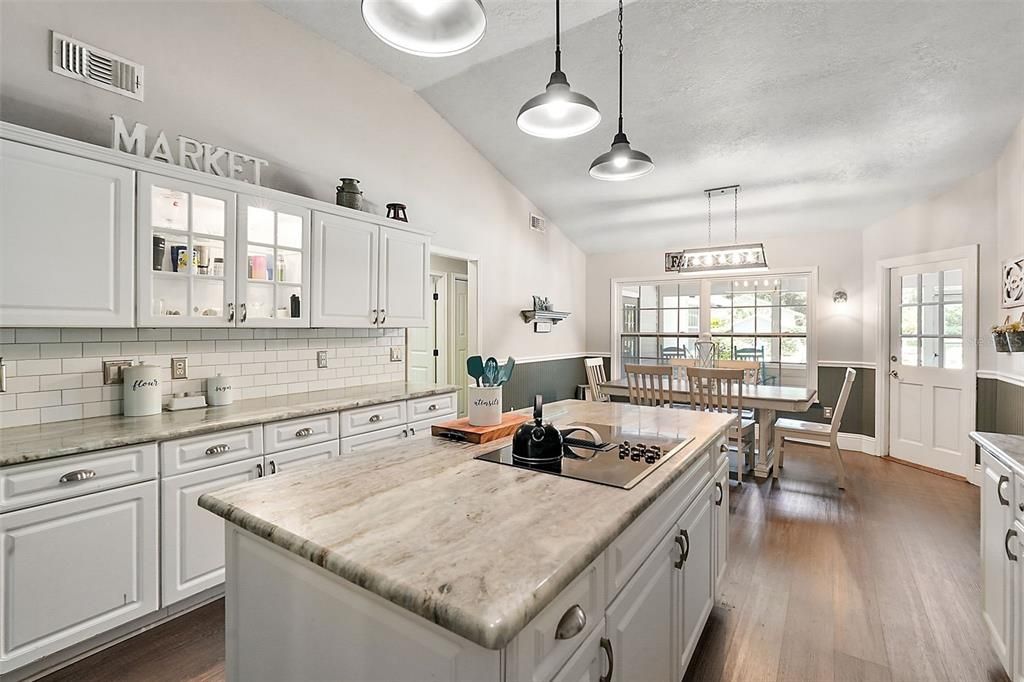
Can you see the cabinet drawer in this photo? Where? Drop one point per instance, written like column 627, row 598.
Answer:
column 295, row 433
column 432, row 406
column 537, row 654
column 374, row 440
column 211, row 449
column 56, row 479
column 631, row 548
column 310, row 454
column 373, row 418
column 421, row 429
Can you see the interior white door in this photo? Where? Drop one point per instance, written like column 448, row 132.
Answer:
column 422, row 344
column 996, row 569
column 933, row 318
column 344, row 271
column 404, row 295
column 66, row 240
column 75, row 568
column 458, row 333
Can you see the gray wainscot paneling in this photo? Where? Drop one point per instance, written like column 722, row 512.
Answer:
column 859, row 416
column 553, row 379
column 1000, row 407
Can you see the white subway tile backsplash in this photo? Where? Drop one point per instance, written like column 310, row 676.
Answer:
column 120, row 335
column 167, row 347
column 101, row 409
column 39, row 399
column 202, row 346
column 35, row 335
column 52, row 382
column 82, row 395
column 80, row 335
column 138, row 348
column 213, row 334
column 19, row 418
column 186, row 334
column 60, row 350
column 6, row 336
column 71, row 365
column 36, row 367
column 90, row 350
column 154, row 335
column 60, row 414
column 19, row 351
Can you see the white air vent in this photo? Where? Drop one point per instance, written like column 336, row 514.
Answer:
column 83, row 62
column 538, row 224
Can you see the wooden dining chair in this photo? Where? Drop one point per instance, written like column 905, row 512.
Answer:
column 826, row 434
column 650, row 385
column 595, row 378
column 751, row 376
column 721, row 390
column 679, row 366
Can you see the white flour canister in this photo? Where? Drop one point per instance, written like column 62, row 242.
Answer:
column 142, row 395
column 219, row 390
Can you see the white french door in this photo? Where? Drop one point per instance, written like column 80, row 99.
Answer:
column 932, row 362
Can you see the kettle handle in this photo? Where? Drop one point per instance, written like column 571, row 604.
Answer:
column 538, row 407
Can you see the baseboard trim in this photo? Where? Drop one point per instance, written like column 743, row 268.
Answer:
column 921, row 467
column 847, row 441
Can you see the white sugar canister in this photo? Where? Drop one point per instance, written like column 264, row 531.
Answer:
column 142, row 395
column 219, row 390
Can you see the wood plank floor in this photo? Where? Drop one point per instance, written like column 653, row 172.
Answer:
column 878, row 583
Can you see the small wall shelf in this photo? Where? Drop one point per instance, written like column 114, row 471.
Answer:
column 551, row 316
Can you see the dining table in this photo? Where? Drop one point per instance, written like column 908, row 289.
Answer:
column 765, row 400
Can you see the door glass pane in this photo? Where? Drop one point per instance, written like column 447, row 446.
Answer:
column 930, row 287
column 171, row 252
column 930, row 320
column 261, row 263
column 204, row 253
column 289, row 266
column 929, row 352
column 909, row 347
column 207, row 298
column 953, row 353
column 170, row 296
column 260, row 225
column 207, row 215
column 170, row 208
column 743, row 297
column 289, row 230
column 284, row 302
column 670, row 347
column 909, row 289
column 952, row 319
column 953, row 285
column 721, row 295
column 260, row 300
column 908, row 321
column 630, row 348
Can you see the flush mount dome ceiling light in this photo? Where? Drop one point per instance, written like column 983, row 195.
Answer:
column 427, row 28
column 558, row 112
column 621, row 162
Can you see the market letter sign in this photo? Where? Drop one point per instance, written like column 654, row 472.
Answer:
column 187, row 153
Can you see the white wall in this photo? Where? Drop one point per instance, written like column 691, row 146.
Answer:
column 836, row 253
column 238, row 75
column 1010, row 227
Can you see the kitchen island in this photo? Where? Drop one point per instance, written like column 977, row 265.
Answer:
column 424, row 563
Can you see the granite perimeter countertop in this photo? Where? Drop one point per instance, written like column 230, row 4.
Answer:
column 1007, row 447
column 475, row 547
column 21, row 444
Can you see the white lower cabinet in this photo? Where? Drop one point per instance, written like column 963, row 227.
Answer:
column 996, row 566
column 697, row 576
column 1018, row 624
column 590, row 661
column 720, row 524
column 310, row 454
column 75, row 568
column 192, row 552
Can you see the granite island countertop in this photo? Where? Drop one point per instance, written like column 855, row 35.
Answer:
column 1007, row 447
column 22, row 444
column 475, row 547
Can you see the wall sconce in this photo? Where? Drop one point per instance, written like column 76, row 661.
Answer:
column 839, row 296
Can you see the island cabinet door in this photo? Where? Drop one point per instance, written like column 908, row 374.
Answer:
column 720, row 525
column 344, row 269
column 75, row 568
column 643, row 622
column 997, row 570
column 192, row 551
column 697, row 571
column 1018, row 600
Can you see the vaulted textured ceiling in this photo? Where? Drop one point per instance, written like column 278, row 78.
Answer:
column 829, row 114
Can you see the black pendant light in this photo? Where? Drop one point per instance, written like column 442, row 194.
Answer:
column 558, row 112
column 427, row 28
column 621, row 162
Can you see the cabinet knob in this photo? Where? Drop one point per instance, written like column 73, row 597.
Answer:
column 1003, row 480
column 304, row 433
column 723, row 448
column 1011, row 533
column 721, row 494
column 683, row 540
column 218, row 449
column 77, row 475
column 374, row 418
column 571, row 623
column 432, row 408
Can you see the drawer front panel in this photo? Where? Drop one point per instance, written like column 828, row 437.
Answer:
column 211, row 449
column 295, row 433
column 66, row 477
column 421, row 429
column 311, row 454
column 631, row 548
column 374, row 440
column 537, row 652
column 432, row 406
column 373, row 418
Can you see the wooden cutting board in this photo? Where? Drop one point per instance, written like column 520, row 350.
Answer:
column 462, row 430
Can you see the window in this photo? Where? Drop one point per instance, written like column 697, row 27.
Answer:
column 931, row 319
column 766, row 319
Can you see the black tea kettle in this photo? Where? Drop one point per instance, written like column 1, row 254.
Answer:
column 537, row 443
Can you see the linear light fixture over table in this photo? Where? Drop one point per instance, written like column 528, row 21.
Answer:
column 558, row 112
column 731, row 257
column 426, row 28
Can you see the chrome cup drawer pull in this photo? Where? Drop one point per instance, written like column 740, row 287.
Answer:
column 572, row 623
column 218, row 449
column 77, row 475
column 374, row 419
column 432, row 407
column 304, row 433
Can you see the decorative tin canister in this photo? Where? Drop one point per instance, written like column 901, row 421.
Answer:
column 219, row 391
column 349, row 195
column 142, row 395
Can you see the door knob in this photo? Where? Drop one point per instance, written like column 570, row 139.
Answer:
column 894, row 374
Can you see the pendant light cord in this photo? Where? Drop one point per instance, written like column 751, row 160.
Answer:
column 736, row 215
column 558, row 37
column 709, row 217
column 620, row 67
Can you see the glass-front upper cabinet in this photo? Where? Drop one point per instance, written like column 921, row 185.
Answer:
column 185, row 257
column 272, row 264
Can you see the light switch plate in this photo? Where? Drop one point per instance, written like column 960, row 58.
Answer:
column 321, row 359
column 179, row 368
column 112, row 370
column 396, row 353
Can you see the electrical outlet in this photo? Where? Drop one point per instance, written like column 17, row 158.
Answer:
column 321, row 359
column 179, row 368
column 112, row 370
column 828, row 412
column 396, row 353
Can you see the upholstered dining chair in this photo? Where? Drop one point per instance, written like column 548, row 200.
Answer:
column 827, row 435
column 595, row 377
column 650, row 385
column 721, row 390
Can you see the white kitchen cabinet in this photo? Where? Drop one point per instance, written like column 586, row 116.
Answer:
column 185, row 253
column 697, row 576
column 374, row 440
column 66, row 240
column 587, row 664
column 310, row 454
column 997, row 570
column 720, row 525
column 75, row 568
column 366, row 275
column 403, row 297
column 421, row 429
column 272, row 264
column 1018, row 588
column 192, row 539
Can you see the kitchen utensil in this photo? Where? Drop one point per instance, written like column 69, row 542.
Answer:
column 491, row 372
column 475, row 367
column 537, row 443
column 506, row 370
